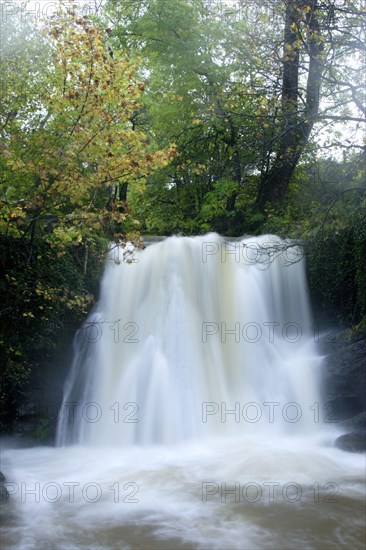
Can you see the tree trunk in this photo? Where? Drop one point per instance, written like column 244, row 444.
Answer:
column 296, row 123
column 237, row 171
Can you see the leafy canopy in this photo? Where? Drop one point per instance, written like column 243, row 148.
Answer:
column 67, row 133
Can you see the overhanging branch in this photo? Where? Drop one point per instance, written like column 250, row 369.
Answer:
column 341, row 118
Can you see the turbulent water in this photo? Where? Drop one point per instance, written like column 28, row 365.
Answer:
column 194, row 328
column 191, row 415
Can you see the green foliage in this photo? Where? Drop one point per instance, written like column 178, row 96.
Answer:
column 216, row 200
column 200, row 96
column 40, row 295
column 15, row 375
column 214, row 80
column 326, row 209
column 68, row 135
column 42, row 431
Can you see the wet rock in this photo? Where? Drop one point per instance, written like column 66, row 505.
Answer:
column 344, row 375
column 353, row 442
column 356, row 423
column 4, row 494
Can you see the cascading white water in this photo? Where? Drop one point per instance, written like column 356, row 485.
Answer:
column 190, row 330
column 194, row 416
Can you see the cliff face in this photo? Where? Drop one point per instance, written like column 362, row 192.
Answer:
column 37, row 416
column 344, row 374
column 344, row 386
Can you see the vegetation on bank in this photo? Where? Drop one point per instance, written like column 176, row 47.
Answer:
column 174, row 117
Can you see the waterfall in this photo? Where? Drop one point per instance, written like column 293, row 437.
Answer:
column 191, row 416
column 195, row 338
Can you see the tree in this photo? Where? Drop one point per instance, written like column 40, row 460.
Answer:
column 194, row 98
column 68, row 138
column 301, row 32
column 314, row 53
column 244, row 90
